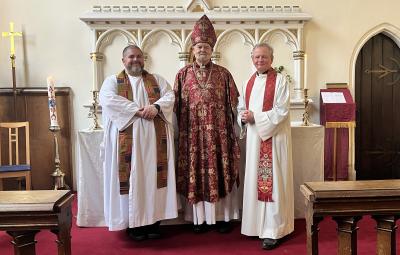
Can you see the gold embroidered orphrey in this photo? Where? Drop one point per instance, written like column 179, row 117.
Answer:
column 126, row 138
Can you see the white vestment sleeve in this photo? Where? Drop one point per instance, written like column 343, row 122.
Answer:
column 268, row 123
column 240, row 108
column 119, row 110
column 166, row 101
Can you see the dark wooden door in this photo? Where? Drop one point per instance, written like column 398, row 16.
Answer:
column 377, row 94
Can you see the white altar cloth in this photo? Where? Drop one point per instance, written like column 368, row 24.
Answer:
column 308, row 160
column 90, row 179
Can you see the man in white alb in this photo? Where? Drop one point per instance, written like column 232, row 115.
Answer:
column 139, row 173
column 268, row 183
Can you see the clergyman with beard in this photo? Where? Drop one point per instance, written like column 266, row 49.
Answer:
column 138, row 149
column 208, row 150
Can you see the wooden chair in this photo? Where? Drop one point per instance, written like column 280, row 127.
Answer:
column 14, row 168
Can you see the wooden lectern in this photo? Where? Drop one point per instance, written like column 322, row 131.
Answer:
column 338, row 116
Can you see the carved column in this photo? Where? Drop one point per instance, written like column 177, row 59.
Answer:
column 298, row 92
column 24, row 242
column 183, row 58
column 386, row 234
column 145, row 56
column 347, row 234
column 215, row 57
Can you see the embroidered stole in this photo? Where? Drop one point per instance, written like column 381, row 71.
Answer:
column 126, row 138
column 264, row 172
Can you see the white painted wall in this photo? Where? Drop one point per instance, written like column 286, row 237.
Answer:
column 57, row 43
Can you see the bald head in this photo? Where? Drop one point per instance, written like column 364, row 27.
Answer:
column 131, row 47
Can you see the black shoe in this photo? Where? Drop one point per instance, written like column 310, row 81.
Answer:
column 224, row 227
column 269, row 244
column 137, row 234
column 200, row 228
column 153, row 231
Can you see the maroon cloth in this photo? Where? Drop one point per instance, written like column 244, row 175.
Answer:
column 203, row 32
column 208, row 150
column 335, row 112
column 338, row 112
column 265, row 164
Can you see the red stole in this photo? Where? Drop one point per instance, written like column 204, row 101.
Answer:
column 126, row 138
column 264, row 172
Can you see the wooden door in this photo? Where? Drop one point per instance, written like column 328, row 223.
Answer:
column 377, row 94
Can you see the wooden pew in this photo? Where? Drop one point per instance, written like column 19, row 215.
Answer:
column 347, row 202
column 24, row 213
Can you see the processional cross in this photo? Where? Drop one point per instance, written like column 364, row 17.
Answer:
column 13, row 34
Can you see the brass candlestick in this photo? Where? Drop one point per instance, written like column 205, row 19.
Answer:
column 94, row 110
column 306, row 116
column 58, row 175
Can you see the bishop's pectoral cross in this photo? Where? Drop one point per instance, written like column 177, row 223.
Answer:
column 13, row 34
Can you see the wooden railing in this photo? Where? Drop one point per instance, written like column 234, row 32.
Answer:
column 347, row 202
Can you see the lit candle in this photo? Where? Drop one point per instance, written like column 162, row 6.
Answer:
column 305, row 71
column 52, row 102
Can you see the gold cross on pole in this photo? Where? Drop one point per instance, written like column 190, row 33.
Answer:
column 11, row 34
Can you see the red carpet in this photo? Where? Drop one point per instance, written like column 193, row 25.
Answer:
column 181, row 240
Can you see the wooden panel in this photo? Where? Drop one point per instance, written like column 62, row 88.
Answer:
column 32, row 106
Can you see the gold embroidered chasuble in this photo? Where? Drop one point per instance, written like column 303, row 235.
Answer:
column 208, row 150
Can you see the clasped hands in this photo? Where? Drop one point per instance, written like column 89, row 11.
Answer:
column 247, row 117
column 148, row 112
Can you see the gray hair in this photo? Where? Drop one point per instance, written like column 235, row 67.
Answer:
column 131, row 46
column 264, row 45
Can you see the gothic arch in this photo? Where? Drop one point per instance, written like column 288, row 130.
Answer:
column 247, row 37
column 174, row 39
column 187, row 44
column 389, row 30
column 105, row 38
column 289, row 37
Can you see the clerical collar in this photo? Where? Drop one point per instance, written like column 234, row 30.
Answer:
column 208, row 65
column 264, row 73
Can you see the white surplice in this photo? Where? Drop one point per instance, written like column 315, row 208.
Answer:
column 145, row 204
column 268, row 219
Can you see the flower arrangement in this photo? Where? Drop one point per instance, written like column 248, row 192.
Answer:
column 281, row 69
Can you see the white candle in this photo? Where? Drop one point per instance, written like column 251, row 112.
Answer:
column 52, row 102
column 94, row 73
column 305, row 71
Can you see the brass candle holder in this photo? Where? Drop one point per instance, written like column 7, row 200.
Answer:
column 94, row 110
column 306, row 116
column 58, row 174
